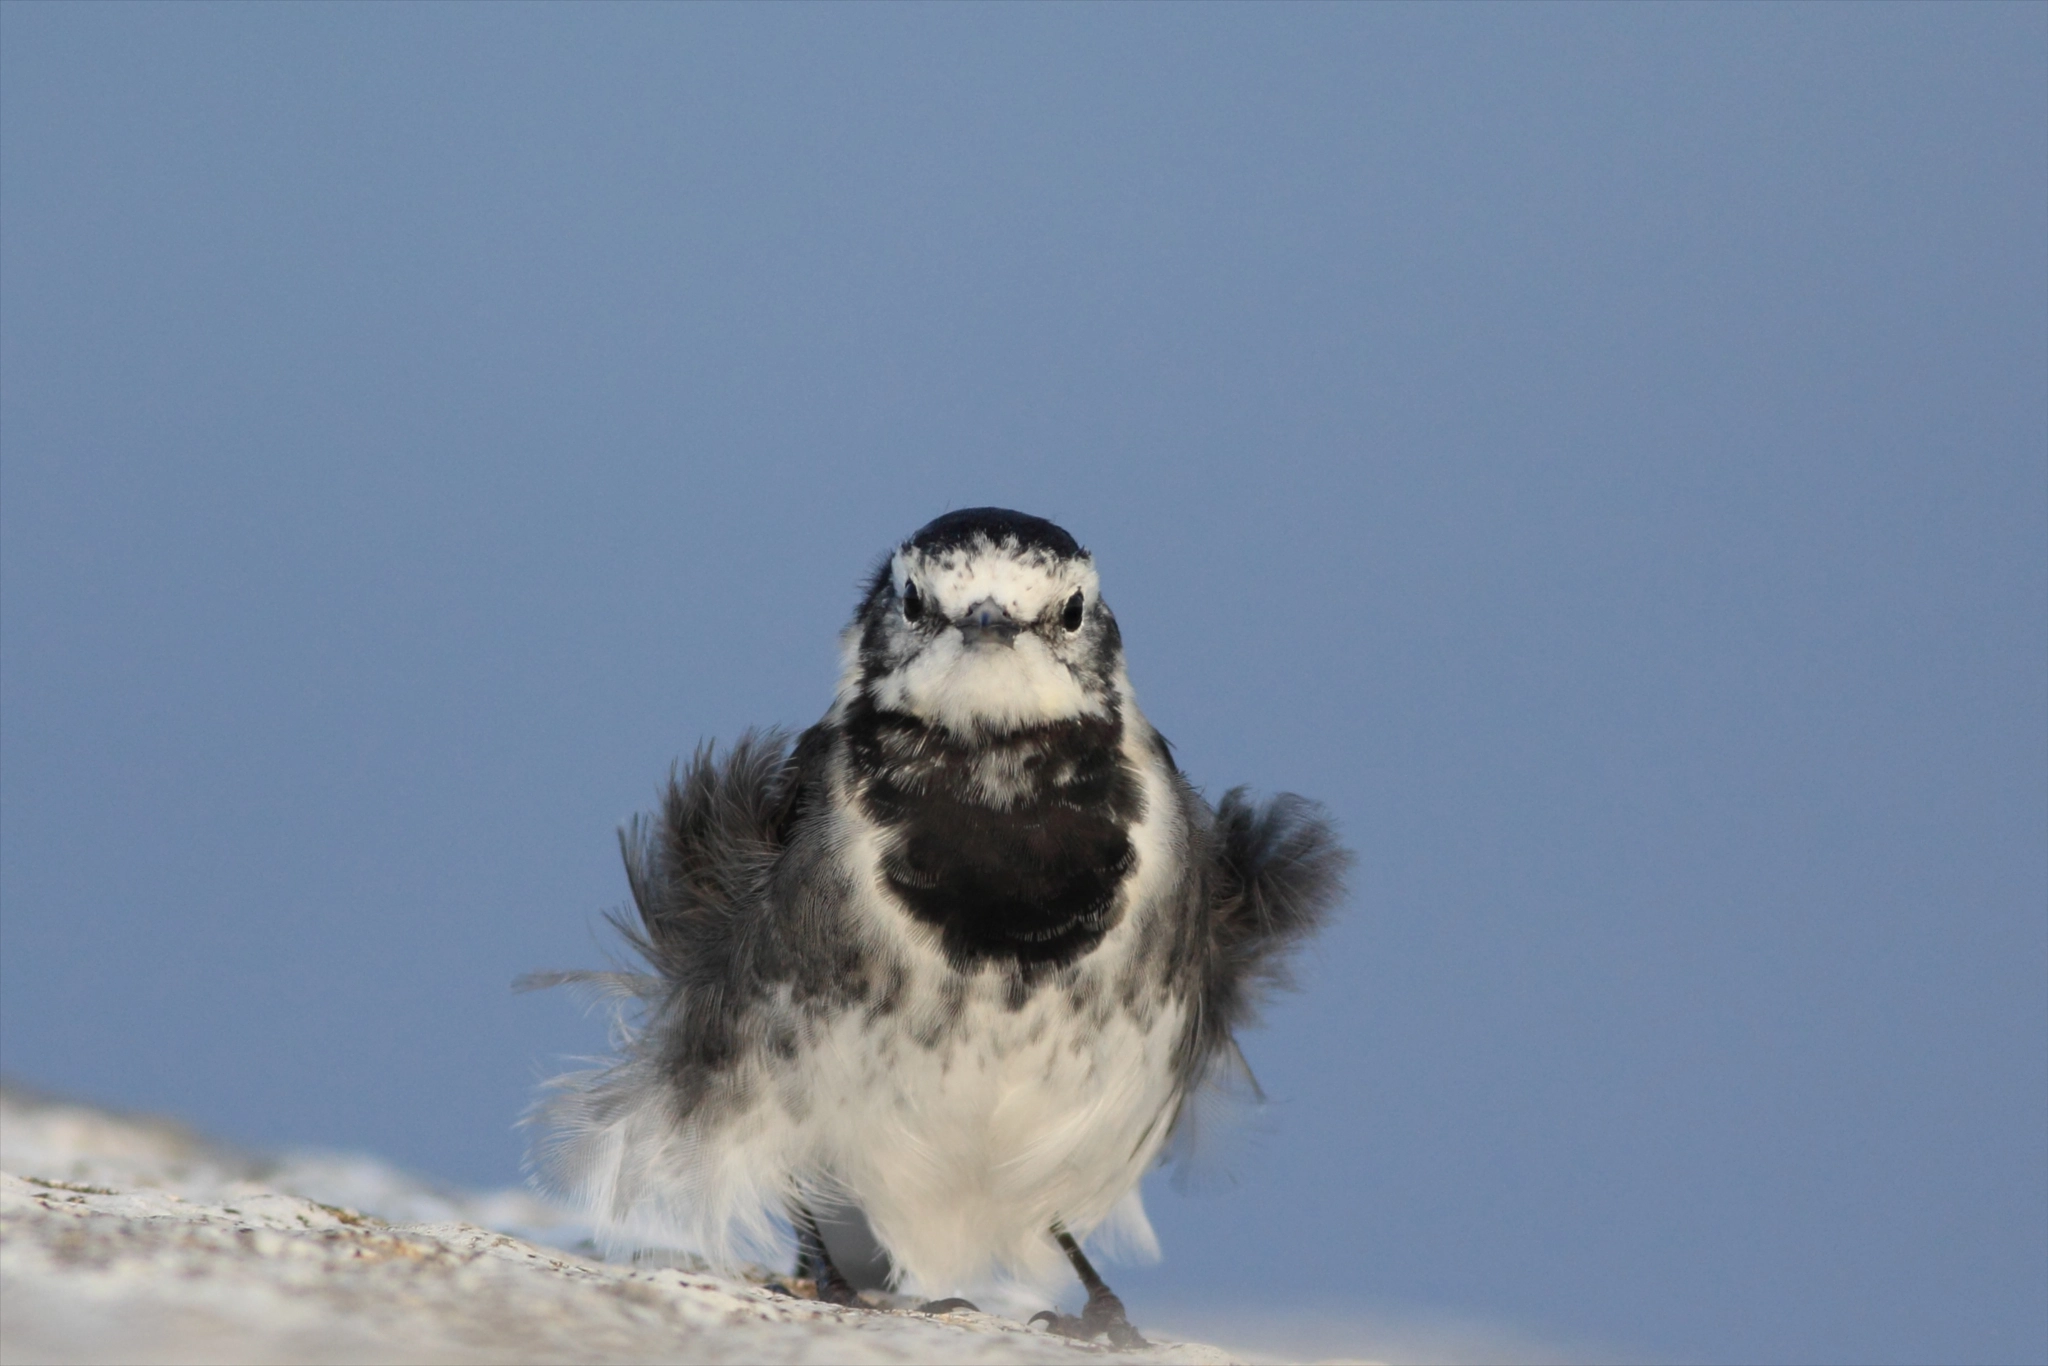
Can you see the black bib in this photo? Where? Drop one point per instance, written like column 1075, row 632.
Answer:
column 1028, row 874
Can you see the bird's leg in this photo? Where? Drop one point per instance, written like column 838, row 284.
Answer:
column 814, row 1263
column 1104, row 1313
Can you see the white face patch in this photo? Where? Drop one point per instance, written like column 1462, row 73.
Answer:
column 1030, row 585
column 943, row 677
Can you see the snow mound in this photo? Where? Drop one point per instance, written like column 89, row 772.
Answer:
column 131, row 1239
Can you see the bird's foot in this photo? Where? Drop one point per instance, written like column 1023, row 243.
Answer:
column 948, row 1306
column 814, row 1262
column 836, row 1289
column 832, row 1291
column 1103, row 1317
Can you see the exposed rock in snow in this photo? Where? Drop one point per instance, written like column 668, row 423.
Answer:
column 129, row 1239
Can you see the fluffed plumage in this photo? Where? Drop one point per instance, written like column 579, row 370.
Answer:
column 960, row 956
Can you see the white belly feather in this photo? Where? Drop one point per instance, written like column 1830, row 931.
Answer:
column 964, row 1154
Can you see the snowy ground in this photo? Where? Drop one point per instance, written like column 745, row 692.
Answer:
column 129, row 1239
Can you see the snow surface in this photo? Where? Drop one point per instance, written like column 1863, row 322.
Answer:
column 130, row 1239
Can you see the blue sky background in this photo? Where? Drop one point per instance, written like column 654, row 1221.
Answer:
column 1601, row 452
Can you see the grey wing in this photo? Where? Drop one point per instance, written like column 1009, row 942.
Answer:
column 700, row 867
column 1276, row 873
column 704, row 873
column 701, row 870
column 1269, row 875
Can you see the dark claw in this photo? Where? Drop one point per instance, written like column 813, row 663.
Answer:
column 1103, row 1317
column 947, row 1306
column 835, row 1290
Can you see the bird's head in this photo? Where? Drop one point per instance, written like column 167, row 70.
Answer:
column 986, row 621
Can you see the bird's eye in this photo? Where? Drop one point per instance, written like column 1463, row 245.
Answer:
column 1071, row 617
column 913, row 602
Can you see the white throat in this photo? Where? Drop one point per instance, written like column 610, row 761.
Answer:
column 986, row 687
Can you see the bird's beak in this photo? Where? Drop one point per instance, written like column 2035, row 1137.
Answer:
column 986, row 623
